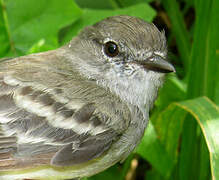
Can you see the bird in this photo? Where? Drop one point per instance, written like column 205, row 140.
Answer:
column 74, row 111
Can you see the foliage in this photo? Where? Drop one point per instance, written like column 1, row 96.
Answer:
column 182, row 139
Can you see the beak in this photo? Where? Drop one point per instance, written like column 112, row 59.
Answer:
column 157, row 63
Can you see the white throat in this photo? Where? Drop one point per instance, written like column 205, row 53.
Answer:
column 139, row 89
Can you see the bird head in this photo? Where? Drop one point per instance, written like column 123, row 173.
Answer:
column 124, row 54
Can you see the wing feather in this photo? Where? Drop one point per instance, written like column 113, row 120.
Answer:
column 53, row 125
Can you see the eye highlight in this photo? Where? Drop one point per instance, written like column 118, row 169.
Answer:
column 111, row 49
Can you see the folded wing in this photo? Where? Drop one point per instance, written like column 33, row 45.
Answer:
column 39, row 126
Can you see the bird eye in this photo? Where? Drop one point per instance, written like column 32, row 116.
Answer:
column 111, row 49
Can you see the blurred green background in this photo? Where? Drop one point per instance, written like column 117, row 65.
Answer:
column 182, row 139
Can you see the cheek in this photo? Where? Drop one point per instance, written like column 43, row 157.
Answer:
column 133, row 70
column 129, row 70
column 157, row 79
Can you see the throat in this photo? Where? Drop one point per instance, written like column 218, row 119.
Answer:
column 139, row 90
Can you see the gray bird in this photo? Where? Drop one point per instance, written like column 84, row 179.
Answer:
column 77, row 110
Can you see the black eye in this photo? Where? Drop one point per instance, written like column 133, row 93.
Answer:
column 111, row 49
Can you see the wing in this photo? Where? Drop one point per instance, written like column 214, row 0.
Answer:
column 51, row 115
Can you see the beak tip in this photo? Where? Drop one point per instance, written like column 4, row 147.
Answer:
column 172, row 69
column 165, row 67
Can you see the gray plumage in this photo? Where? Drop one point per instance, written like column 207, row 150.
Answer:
column 84, row 106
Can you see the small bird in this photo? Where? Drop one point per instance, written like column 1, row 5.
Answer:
column 77, row 110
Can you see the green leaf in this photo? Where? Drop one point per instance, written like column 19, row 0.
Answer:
column 152, row 175
column 168, row 126
column 160, row 147
column 179, row 30
column 108, row 174
column 125, row 3
column 152, row 150
column 108, row 4
column 202, row 80
column 202, row 76
column 5, row 38
column 90, row 17
column 35, row 20
column 39, row 47
column 206, row 114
